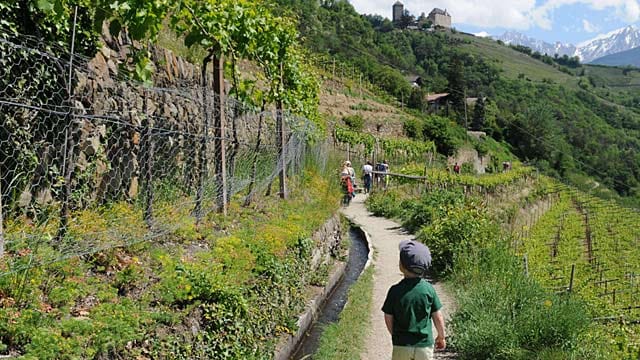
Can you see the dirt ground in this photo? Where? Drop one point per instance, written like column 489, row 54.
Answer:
column 386, row 236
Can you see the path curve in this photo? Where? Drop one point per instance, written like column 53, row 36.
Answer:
column 385, row 237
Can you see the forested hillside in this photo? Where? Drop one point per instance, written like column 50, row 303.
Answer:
column 570, row 120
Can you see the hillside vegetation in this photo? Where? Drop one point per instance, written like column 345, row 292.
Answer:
column 569, row 259
column 574, row 123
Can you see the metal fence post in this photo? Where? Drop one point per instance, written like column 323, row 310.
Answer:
column 204, row 140
column 68, row 160
column 147, row 162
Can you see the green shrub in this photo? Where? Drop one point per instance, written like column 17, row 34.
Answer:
column 447, row 136
column 502, row 314
column 468, row 168
column 386, row 204
column 430, row 206
column 354, row 122
column 413, row 129
column 457, row 231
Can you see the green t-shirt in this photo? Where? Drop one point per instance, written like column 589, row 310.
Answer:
column 411, row 302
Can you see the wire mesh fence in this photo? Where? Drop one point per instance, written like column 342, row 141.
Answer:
column 90, row 161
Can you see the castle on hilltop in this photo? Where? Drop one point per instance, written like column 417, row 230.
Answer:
column 437, row 17
column 440, row 17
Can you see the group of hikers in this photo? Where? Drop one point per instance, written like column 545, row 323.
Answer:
column 370, row 175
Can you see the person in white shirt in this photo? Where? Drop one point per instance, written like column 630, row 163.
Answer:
column 352, row 173
column 367, row 170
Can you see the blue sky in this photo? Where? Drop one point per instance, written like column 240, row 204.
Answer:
column 571, row 21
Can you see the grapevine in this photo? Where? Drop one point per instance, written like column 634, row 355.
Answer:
column 600, row 240
column 407, row 147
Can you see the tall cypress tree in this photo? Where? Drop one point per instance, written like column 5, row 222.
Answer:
column 477, row 123
column 457, row 86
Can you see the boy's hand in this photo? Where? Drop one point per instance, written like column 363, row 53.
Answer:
column 441, row 343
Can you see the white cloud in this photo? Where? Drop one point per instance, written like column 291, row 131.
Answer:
column 589, row 27
column 482, row 34
column 627, row 10
column 513, row 14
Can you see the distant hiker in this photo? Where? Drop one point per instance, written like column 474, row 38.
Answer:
column 367, row 171
column 379, row 170
column 346, row 184
column 506, row 166
column 456, row 168
column 385, row 176
column 411, row 305
column 352, row 173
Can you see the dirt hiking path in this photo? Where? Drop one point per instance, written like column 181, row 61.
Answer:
column 385, row 236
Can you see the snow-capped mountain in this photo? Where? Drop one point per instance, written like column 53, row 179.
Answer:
column 516, row 38
column 613, row 42
column 610, row 43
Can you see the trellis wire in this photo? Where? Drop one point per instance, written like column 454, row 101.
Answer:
column 106, row 163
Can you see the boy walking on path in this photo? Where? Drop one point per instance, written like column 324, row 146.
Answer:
column 411, row 305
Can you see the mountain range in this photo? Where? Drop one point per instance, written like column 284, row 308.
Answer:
column 625, row 58
column 606, row 44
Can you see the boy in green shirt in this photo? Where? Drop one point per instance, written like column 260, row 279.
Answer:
column 411, row 305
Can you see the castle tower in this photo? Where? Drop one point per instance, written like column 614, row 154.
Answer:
column 398, row 10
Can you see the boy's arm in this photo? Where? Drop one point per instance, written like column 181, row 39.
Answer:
column 438, row 321
column 388, row 320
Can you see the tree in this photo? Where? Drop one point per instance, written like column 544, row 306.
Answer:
column 406, row 20
column 457, row 84
column 416, row 99
column 534, row 134
column 477, row 123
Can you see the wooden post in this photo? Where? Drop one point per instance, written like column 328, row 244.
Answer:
column 2, row 221
column 282, row 152
column 219, row 133
column 281, row 141
column 526, row 265
column 614, row 296
column 466, row 126
column 573, row 269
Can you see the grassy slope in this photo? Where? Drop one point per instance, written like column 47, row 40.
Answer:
column 615, row 77
column 514, row 63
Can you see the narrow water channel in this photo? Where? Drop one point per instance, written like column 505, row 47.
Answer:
column 331, row 309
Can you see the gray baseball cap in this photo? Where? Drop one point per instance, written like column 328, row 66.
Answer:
column 415, row 256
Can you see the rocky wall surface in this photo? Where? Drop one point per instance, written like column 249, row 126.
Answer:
column 327, row 240
column 108, row 125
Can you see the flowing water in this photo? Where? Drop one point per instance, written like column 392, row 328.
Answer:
column 331, row 309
